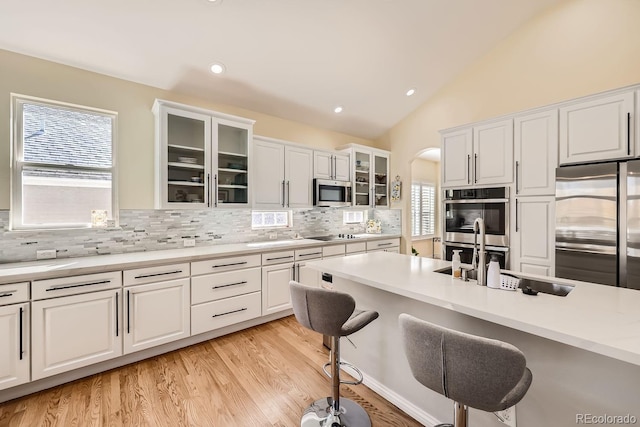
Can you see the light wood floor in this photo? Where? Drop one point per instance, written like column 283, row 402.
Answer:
column 263, row 376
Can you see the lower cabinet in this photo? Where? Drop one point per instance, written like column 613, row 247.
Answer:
column 228, row 311
column 306, row 275
column 275, row 287
column 75, row 331
column 156, row 313
column 14, row 351
column 384, row 245
column 533, row 231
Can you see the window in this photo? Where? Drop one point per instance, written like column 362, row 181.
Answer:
column 62, row 167
column 422, row 209
column 271, row 219
column 354, row 217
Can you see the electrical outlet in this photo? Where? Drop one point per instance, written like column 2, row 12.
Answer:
column 46, row 254
column 189, row 243
column 273, row 235
column 508, row 416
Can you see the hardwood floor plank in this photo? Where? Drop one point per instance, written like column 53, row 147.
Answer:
column 262, row 376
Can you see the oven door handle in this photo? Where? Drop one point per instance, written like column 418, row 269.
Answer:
column 470, row 246
column 476, row 201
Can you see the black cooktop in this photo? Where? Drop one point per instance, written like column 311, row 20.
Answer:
column 333, row 237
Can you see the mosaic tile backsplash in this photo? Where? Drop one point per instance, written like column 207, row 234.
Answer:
column 150, row 230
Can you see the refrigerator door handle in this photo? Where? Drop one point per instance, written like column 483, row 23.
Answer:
column 589, row 249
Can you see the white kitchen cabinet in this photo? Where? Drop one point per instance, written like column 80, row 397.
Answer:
column 479, row 155
column 202, row 157
column 533, row 231
column 15, row 355
column 283, row 175
column 599, row 128
column 303, row 274
column 386, row 245
column 536, row 153
column 75, row 331
column 370, row 177
column 158, row 311
column 327, row 165
column 275, row 287
column 457, row 150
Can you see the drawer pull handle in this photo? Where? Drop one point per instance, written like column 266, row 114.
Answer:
column 58, row 288
column 280, row 257
column 230, row 284
column 229, row 312
column 384, row 244
column 311, row 254
column 143, row 276
column 7, row 294
column 229, row 265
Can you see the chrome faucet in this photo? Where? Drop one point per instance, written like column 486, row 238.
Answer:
column 479, row 259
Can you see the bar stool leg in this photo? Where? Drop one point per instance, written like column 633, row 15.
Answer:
column 460, row 415
column 334, row 411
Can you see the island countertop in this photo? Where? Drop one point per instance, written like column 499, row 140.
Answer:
column 597, row 318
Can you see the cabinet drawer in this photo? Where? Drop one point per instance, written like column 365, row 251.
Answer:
column 217, row 314
column 224, row 264
column 333, row 250
column 213, row 287
column 14, row 292
column 160, row 273
column 383, row 244
column 277, row 257
column 51, row 288
column 309, row 253
column 356, row 247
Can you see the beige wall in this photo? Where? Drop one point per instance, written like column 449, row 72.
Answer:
column 577, row 48
column 30, row 76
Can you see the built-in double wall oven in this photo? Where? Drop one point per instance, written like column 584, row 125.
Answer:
column 460, row 210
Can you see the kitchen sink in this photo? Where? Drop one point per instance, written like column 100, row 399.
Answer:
column 269, row 244
column 526, row 284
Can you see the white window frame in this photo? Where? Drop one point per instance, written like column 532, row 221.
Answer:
column 269, row 227
column 18, row 163
column 346, row 214
column 415, row 237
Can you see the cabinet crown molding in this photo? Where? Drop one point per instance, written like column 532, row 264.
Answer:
column 158, row 102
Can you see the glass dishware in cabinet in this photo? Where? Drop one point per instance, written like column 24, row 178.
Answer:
column 362, row 172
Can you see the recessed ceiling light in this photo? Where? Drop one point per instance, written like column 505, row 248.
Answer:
column 338, row 109
column 215, row 1
column 217, row 68
column 411, row 92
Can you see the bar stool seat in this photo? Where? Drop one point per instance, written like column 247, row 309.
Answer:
column 334, row 314
column 474, row 371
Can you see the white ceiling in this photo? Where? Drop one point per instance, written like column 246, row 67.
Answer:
column 295, row 59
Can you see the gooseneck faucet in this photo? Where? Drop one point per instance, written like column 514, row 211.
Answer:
column 479, row 259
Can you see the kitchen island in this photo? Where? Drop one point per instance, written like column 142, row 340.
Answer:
column 583, row 349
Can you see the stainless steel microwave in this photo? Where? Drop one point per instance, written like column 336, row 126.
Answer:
column 327, row 193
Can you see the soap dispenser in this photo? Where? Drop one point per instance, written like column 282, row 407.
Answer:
column 455, row 264
column 493, row 273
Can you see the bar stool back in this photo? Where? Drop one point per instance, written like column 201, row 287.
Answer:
column 474, row 371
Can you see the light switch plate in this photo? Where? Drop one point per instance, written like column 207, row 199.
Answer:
column 46, row 254
column 189, row 243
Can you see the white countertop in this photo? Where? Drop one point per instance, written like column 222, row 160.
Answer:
column 597, row 318
column 24, row 271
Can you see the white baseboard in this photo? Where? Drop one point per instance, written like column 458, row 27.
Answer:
column 409, row 408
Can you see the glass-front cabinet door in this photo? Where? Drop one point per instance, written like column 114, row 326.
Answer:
column 362, row 173
column 380, row 180
column 184, row 159
column 202, row 158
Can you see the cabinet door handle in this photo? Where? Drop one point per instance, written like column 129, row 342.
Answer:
column 58, row 288
column 310, row 254
column 142, row 276
column 628, row 134
column 468, row 169
column 209, row 190
column 288, row 193
column 384, row 244
column 215, row 190
column 7, row 294
column 283, row 195
column 244, row 282
column 280, row 257
column 517, row 169
column 230, row 312
column 229, row 265
column 293, row 272
column 128, row 310
column 517, row 216
column 20, row 350
column 117, row 322
column 297, row 272
column 475, row 168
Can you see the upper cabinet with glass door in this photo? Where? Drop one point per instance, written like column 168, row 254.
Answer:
column 202, row 157
column 370, row 175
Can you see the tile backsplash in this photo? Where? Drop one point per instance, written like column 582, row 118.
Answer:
column 149, row 230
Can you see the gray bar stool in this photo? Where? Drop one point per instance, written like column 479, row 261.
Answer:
column 331, row 313
column 473, row 371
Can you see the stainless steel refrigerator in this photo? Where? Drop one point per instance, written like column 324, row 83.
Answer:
column 598, row 223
